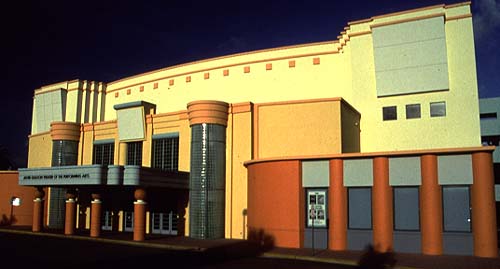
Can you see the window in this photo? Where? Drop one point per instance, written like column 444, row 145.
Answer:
column 166, row 153
column 456, row 209
column 360, row 208
column 413, row 111
column 134, row 153
column 492, row 140
column 390, row 113
column 438, row 109
column 488, row 116
column 104, row 154
column 406, row 209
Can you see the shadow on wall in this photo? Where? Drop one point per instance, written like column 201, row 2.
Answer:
column 6, row 221
column 374, row 259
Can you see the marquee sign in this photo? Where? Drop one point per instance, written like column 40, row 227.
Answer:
column 129, row 175
column 63, row 175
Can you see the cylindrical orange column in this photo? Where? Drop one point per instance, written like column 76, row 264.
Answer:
column 431, row 207
column 483, row 206
column 38, row 210
column 95, row 215
column 382, row 205
column 337, row 207
column 140, row 215
column 70, row 215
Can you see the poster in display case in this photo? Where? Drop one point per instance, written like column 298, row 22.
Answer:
column 316, row 208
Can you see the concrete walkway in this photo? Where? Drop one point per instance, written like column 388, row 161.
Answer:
column 236, row 247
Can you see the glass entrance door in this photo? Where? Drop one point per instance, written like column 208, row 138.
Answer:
column 107, row 221
column 164, row 223
column 128, row 221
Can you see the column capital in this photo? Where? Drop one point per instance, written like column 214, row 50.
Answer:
column 208, row 111
column 63, row 130
column 140, row 194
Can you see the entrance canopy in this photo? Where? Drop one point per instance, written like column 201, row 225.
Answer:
column 112, row 175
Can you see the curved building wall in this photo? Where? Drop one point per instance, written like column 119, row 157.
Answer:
column 413, row 201
column 276, row 202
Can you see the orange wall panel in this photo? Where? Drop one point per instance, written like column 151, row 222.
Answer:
column 23, row 214
column 276, row 203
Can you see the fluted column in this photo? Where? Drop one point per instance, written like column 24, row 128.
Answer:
column 382, row 205
column 207, row 181
column 431, row 207
column 70, row 214
column 140, row 215
column 38, row 210
column 484, row 228
column 65, row 140
column 337, row 206
column 95, row 215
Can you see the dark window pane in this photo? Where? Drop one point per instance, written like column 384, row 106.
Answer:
column 406, row 208
column 103, row 154
column 493, row 140
column 134, row 153
column 438, row 109
column 166, row 153
column 456, row 209
column 488, row 116
column 413, row 111
column 360, row 208
column 389, row 113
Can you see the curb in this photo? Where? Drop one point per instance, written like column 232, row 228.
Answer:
column 321, row 259
column 105, row 240
column 308, row 258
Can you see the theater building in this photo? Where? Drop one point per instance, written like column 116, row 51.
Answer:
column 370, row 138
column 489, row 109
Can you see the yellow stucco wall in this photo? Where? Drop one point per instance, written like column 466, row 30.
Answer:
column 304, row 81
column 460, row 126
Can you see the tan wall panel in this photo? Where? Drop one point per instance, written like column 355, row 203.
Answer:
column 239, row 150
column 40, row 151
column 299, row 129
column 147, row 146
column 106, row 130
column 184, row 146
column 87, row 146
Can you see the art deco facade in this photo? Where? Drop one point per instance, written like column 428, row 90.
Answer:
column 371, row 138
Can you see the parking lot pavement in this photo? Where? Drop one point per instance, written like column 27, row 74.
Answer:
column 240, row 250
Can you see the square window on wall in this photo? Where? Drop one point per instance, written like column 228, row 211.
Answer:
column 438, row 109
column 389, row 113
column 413, row 111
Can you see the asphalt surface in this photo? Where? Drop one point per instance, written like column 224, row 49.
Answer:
column 20, row 248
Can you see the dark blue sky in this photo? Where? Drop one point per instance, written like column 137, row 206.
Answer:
column 52, row 41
